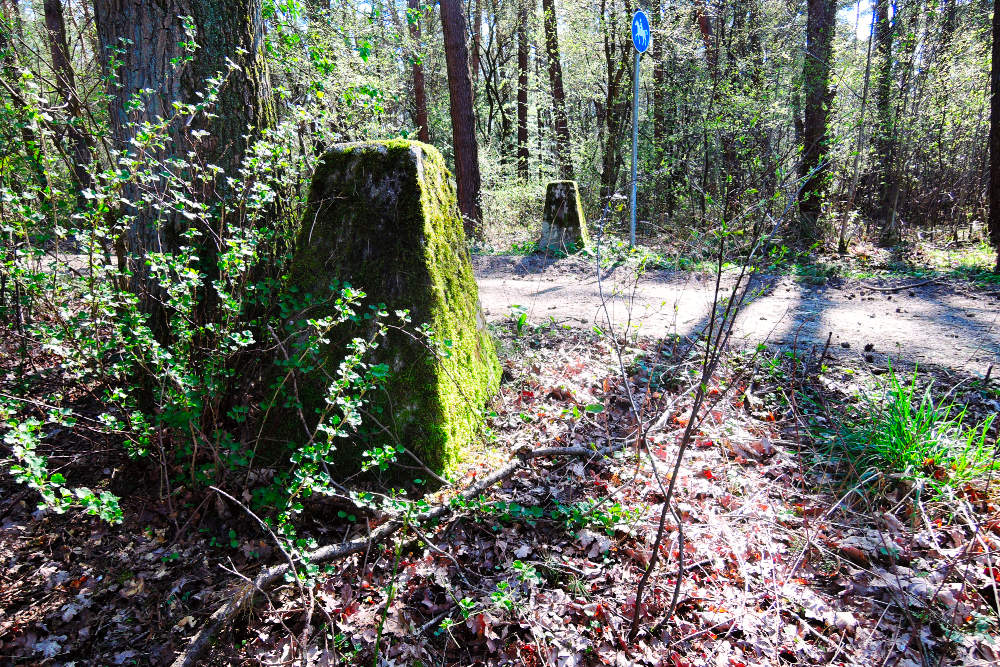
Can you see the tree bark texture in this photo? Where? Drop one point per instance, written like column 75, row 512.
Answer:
column 55, row 27
column 659, row 79
column 522, row 91
column 463, row 120
column 995, row 138
column 820, row 24
column 145, row 40
column 147, row 36
column 419, row 86
column 558, row 94
column 883, row 135
column 477, row 36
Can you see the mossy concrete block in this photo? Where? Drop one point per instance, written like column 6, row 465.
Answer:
column 564, row 226
column 383, row 217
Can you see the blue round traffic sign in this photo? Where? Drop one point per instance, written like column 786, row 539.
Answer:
column 641, row 36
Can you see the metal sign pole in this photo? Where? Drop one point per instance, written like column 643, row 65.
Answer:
column 635, row 148
column 641, row 38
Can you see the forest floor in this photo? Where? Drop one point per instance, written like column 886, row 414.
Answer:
column 792, row 551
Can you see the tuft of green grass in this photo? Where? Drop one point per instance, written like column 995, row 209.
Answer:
column 524, row 248
column 911, row 434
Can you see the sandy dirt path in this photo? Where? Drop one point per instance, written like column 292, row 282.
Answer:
column 950, row 325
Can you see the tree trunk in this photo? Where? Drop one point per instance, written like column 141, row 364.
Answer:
column 995, row 139
column 539, row 115
column 558, row 95
column 707, row 38
column 477, row 36
column 226, row 29
column 615, row 114
column 10, row 70
column 818, row 99
column 948, row 9
column 883, row 139
column 659, row 80
column 148, row 41
column 55, row 26
column 463, row 120
column 419, row 87
column 859, row 147
column 522, row 91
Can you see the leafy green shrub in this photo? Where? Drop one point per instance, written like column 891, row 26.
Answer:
column 175, row 345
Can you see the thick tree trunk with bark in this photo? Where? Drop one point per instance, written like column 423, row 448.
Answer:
column 820, row 24
column 522, row 90
column 147, row 40
column 227, row 30
column 419, row 87
column 55, row 26
column 558, row 94
column 463, row 120
column 995, row 139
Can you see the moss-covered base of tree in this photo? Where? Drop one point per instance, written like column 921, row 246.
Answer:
column 383, row 217
column 564, row 225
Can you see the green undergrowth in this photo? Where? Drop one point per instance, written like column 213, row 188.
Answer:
column 904, row 430
column 616, row 251
column 590, row 513
column 970, row 263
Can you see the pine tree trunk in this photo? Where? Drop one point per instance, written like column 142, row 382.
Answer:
column 818, row 99
column 995, row 138
column 859, row 146
column 55, row 26
column 558, row 94
column 463, row 120
column 659, row 80
column 522, row 91
column 883, row 139
column 419, row 87
column 477, row 33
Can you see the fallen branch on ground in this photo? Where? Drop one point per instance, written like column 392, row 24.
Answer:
column 901, row 287
column 241, row 596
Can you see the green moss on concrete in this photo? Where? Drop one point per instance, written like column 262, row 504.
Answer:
column 383, row 217
column 563, row 221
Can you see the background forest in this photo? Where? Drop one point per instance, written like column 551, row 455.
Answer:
column 885, row 106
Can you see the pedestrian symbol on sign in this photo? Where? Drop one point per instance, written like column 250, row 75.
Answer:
column 640, row 31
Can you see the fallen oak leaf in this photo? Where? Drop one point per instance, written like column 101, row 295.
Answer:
column 186, row 621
